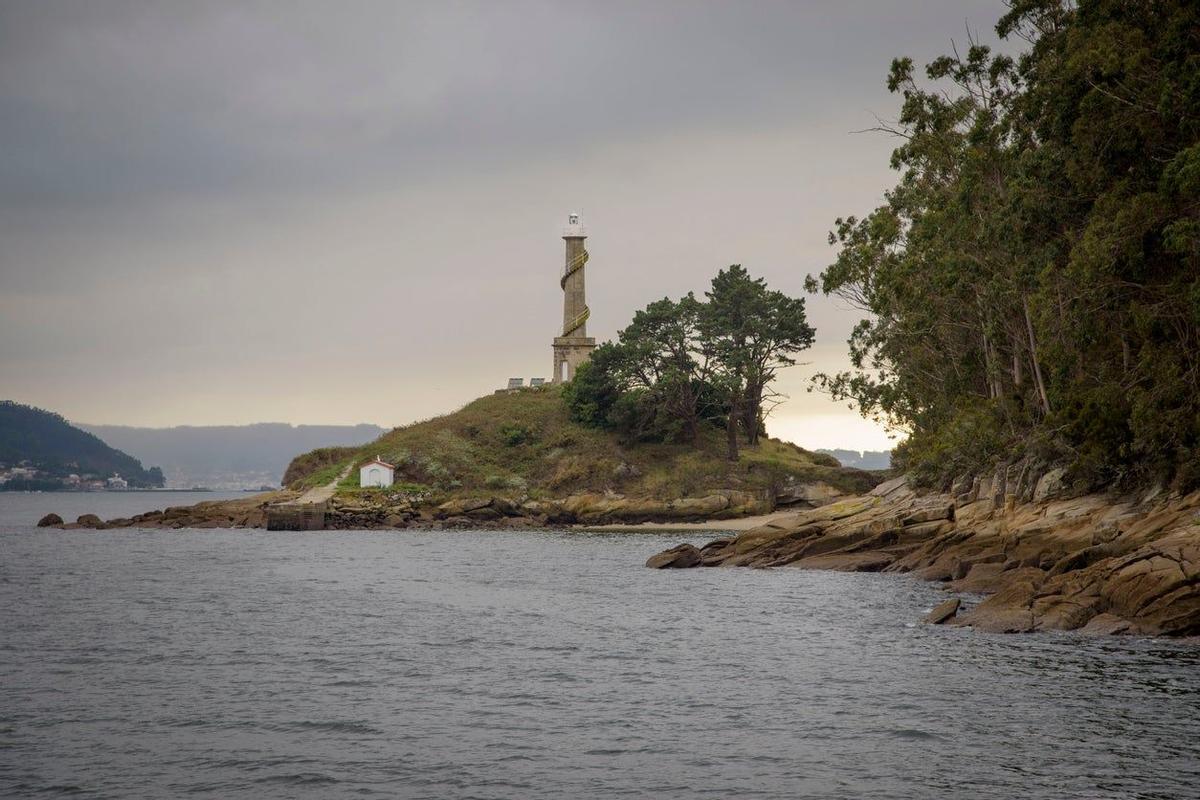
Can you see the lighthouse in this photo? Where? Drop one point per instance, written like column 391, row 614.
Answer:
column 572, row 347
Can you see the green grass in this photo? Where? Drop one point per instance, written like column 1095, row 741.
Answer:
column 317, row 467
column 321, row 476
column 522, row 444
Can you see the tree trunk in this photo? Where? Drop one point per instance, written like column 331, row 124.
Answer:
column 731, row 428
column 989, row 368
column 1017, row 372
column 1037, row 369
column 693, row 430
column 752, row 413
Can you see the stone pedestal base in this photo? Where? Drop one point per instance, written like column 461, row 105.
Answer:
column 569, row 353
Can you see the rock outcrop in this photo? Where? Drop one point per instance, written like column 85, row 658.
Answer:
column 680, row 557
column 249, row 512
column 50, row 519
column 362, row 511
column 1098, row 563
column 944, row 611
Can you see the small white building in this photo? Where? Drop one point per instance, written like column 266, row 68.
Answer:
column 376, row 473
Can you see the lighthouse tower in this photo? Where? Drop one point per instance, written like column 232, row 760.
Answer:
column 572, row 347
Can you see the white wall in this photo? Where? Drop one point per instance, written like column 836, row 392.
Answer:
column 375, row 475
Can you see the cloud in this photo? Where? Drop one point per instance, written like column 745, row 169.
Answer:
column 134, row 100
column 196, row 197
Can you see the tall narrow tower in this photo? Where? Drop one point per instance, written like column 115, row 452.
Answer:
column 572, row 347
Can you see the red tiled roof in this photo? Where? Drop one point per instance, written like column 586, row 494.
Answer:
column 380, row 463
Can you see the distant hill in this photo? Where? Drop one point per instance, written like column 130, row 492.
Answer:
column 55, row 449
column 229, row 456
column 867, row 459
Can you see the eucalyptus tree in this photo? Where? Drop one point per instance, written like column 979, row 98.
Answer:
column 1033, row 279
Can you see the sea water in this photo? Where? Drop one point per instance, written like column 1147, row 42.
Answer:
column 247, row 663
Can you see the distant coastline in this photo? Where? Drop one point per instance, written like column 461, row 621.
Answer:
column 145, row 490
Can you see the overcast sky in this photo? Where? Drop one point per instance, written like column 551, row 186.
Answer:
column 321, row 212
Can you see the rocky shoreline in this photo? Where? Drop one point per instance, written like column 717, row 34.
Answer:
column 484, row 512
column 1095, row 563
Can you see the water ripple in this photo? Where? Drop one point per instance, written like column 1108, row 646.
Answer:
column 539, row 665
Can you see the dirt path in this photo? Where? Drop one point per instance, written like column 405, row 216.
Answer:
column 319, row 494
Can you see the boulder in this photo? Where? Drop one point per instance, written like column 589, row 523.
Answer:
column 1158, row 587
column 928, row 513
column 924, row 531
column 999, row 484
column 1049, row 485
column 458, row 508
column 716, row 545
column 1009, row 610
column 943, row 611
column 980, row 578
column 775, row 530
column 533, row 508
column 699, row 506
column 484, row 513
column 1106, row 625
column 679, row 557
column 89, row 521
column 1016, row 480
column 506, row 507
column 853, row 506
column 862, row 561
column 888, row 487
column 812, row 494
column 50, row 519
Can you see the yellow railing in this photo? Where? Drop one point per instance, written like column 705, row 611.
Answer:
column 574, row 266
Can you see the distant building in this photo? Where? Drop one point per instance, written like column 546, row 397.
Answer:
column 517, row 384
column 117, row 482
column 376, row 473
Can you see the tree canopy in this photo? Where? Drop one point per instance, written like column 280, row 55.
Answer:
column 1032, row 282
column 681, row 365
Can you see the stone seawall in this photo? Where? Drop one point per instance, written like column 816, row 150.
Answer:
column 296, row 517
column 1098, row 563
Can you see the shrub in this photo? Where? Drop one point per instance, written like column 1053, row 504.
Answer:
column 515, row 435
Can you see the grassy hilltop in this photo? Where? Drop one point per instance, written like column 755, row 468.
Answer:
column 524, row 444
